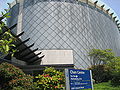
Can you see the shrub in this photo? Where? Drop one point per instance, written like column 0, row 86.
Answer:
column 13, row 77
column 114, row 64
column 116, row 79
column 51, row 79
column 100, row 73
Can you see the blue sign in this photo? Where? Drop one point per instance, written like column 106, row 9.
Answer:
column 79, row 79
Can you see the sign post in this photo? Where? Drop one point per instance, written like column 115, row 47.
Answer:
column 91, row 80
column 78, row 79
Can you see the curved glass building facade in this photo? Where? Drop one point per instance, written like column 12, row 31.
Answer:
column 65, row 25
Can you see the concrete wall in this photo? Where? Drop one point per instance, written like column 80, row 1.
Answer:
column 57, row 57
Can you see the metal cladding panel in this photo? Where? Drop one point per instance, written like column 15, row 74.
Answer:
column 76, row 26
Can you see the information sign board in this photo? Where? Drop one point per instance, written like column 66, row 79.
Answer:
column 78, row 79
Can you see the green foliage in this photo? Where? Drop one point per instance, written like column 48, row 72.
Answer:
column 116, row 79
column 51, row 79
column 115, row 71
column 100, row 73
column 6, row 38
column 111, row 65
column 105, row 86
column 100, row 56
column 18, row 88
column 13, row 77
column 5, row 15
column 114, row 64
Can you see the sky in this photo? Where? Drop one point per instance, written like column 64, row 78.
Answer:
column 114, row 4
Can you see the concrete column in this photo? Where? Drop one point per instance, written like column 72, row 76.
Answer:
column 19, row 23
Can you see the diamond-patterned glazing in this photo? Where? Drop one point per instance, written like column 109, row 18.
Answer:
column 67, row 25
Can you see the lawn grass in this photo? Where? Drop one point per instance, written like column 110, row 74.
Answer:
column 104, row 86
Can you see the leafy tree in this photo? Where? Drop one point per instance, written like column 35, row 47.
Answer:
column 100, row 56
column 51, row 79
column 115, row 70
column 6, row 38
column 105, row 66
column 114, row 64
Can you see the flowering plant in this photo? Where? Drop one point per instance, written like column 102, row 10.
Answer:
column 51, row 79
column 13, row 77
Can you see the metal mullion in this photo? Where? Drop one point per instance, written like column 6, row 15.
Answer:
column 75, row 51
column 79, row 63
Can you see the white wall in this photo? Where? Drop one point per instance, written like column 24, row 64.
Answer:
column 57, row 57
